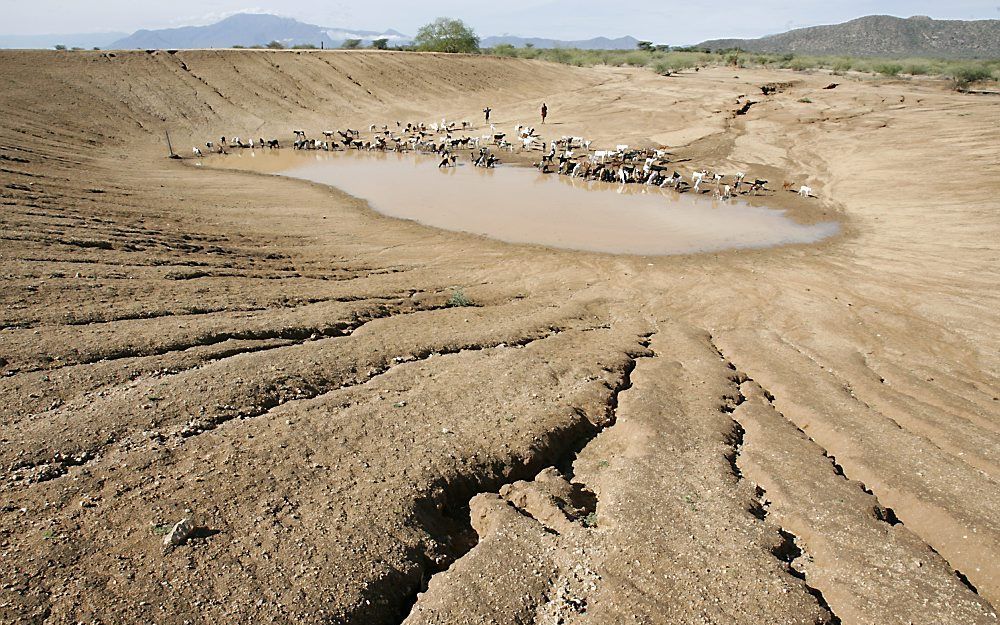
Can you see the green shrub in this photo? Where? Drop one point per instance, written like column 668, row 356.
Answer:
column 275, row 45
column 888, row 69
column 559, row 55
column 663, row 68
column 530, row 52
column 636, row 59
column 503, row 49
column 916, row 69
column 841, row 66
column 800, row 64
column 671, row 65
column 965, row 75
column 458, row 300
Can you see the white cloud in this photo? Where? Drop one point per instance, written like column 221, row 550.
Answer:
column 216, row 16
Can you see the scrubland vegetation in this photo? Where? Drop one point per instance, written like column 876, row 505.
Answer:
column 663, row 61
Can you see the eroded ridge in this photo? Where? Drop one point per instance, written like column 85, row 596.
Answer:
column 578, row 550
column 857, row 558
column 312, row 461
column 854, row 436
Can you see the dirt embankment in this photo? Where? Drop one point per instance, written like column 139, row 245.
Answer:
column 796, row 435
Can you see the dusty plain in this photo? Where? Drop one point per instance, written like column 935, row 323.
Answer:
column 805, row 434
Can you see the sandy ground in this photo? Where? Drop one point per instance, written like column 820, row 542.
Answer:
column 806, row 434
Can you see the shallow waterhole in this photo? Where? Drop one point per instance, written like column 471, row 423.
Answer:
column 522, row 205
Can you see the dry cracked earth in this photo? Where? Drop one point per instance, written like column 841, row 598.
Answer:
column 805, row 434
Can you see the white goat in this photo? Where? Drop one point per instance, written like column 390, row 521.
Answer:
column 805, row 191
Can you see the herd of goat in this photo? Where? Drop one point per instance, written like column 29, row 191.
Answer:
column 570, row 156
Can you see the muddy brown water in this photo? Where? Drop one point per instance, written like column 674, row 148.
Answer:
column 522, row 205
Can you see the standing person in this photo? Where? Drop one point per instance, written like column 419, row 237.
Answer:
column 545, row 112
column 486, row 112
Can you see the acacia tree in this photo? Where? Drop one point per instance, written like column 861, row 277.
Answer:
column 446, row 35
column 380, row 44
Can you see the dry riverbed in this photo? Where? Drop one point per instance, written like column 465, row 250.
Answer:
column 797, row 434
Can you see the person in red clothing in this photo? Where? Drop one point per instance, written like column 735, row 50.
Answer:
column 545, row 112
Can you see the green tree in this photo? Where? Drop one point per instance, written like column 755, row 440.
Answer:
column 645, row 46
column 351, row 44
column 60, row 47
column 276, row 45
column 446, row 35
column 380, row 44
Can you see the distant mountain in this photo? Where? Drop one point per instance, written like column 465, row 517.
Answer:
column 251, row 29
column 258, row 29
column 881, row 35
column 597, row 43
column 78, row 40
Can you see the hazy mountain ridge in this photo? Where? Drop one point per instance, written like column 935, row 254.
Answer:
column 874, row 35
column 82, row 40
column 881, row 35
column 250, row 29
column 597, row 43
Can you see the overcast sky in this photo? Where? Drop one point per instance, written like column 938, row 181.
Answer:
column 663, row 21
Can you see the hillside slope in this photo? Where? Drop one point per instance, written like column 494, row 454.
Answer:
column 881, row 35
